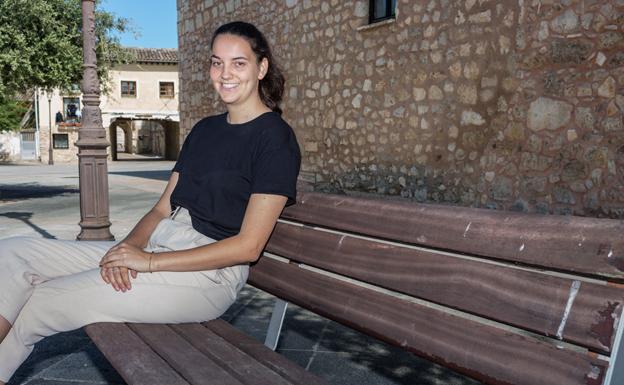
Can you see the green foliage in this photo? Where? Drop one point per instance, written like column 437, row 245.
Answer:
column 41, row 44
column 11, row 113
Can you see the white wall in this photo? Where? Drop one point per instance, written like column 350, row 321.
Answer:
column 148, row 100
column 9, row 146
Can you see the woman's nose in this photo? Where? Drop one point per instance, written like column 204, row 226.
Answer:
column 225, row 74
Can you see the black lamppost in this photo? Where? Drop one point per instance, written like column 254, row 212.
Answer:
column 92, row 143
column 50, row 149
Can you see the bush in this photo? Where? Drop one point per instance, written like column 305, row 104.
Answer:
column 11, row 114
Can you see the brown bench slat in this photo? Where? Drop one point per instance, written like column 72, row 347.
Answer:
column 521, row 298
column 194, row 366
column 276, row 362
column 133, row 359
column 487, row 353
column 584, row 245
column 242, row 366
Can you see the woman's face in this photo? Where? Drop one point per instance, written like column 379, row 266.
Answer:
column 234, row 70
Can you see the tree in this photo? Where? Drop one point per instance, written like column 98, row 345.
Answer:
column 41, row 44
column 11, row 113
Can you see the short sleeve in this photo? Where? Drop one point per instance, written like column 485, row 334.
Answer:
column 179, row 165
column 275, row 172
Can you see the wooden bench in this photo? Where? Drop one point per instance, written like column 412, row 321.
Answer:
column 503, row 297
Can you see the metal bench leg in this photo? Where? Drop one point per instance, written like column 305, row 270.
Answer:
column 277, row 319
column 615, row 373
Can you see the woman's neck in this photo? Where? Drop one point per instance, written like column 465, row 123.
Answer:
column 242, row 115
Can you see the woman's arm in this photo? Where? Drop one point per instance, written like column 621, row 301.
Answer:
column 138, row 237
column 260, row 217
column 141, row 232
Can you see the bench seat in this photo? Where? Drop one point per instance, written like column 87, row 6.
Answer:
column 213, row 352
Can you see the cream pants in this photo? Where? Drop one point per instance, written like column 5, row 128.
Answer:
column 50, row 286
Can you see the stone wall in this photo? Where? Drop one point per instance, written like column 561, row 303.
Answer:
column 513, row 105
column 59, row 155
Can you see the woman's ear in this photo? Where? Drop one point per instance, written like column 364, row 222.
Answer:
column 264, row 68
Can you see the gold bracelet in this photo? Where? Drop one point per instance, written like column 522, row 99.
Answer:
column 149, row 268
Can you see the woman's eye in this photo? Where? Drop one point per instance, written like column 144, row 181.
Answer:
column 215, row 64
column 239, row 64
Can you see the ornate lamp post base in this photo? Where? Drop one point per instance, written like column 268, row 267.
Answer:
column 92, row 143
column 93, row 172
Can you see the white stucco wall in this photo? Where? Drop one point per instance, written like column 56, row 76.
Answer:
column 148, row 100
column 9, row 146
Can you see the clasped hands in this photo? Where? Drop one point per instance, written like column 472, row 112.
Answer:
column 121, row 262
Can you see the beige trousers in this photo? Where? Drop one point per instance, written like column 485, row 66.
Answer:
column 50, row 286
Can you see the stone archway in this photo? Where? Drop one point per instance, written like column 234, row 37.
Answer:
column 120, row 135
column 144, row 138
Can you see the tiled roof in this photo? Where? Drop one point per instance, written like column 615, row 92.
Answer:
column 154, row 55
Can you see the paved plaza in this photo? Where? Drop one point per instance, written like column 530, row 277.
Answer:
column 43, row 201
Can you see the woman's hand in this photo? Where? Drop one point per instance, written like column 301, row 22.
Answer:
column 128, row 256
column 121, row 262
column 118, row 277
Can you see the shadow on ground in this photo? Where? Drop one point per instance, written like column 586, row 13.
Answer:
column 33, row 190
column 26, row 218
column 50, row 363
column 148, row 174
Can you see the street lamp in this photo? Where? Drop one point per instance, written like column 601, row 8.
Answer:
column 92, row 143
column 50, row 149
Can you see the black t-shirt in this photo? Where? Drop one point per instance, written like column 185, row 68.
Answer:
column 222, row 164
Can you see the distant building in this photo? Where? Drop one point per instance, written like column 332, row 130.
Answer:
column 140, row 111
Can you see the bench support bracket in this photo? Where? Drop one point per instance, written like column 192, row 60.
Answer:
column 615, row 373
column 275, row 326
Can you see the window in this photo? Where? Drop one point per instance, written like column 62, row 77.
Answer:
column 166, row 89
column 60, row 141
column 71, row 109
column 381, row 10
column 128, row 88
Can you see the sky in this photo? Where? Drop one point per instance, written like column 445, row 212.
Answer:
column 154, row 20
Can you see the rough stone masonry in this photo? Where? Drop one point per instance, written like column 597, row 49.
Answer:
column 511, row 104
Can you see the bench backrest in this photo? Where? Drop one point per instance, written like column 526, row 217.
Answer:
column 506, row 298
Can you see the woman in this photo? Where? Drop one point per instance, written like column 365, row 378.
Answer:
column 235, row 173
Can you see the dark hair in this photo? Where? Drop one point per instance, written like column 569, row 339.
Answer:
column 271, row 87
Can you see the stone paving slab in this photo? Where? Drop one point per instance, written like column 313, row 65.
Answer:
column 43, row 201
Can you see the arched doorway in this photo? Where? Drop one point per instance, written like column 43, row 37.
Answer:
column 120, row 134
column 144, row 139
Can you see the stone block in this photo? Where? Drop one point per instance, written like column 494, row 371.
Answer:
column 467, row 93
column 573, row 170
column 565, row 51
column 534, row 162
column 435, row 93
column 482, row 17
column 310, row 147
column 502, row 189
column 514, row 132
column 607, row 88
column 471, row 118
column 535, row 184
column 563, row 195
column 610, row 40
column 613, row 123
column 550, row 114
column 471, row 70
column 565, row 23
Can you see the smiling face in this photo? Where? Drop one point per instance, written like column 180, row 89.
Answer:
column 235, row 71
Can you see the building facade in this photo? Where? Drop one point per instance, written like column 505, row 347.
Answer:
column 512, row 104
column 139, row 111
